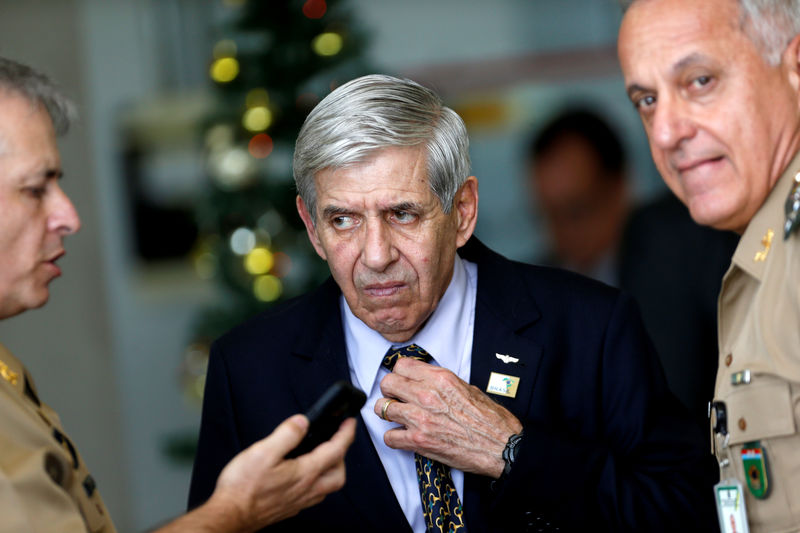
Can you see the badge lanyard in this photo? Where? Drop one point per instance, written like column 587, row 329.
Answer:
column 728, row 493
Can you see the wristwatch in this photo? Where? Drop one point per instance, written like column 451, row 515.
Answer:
column 510, row 452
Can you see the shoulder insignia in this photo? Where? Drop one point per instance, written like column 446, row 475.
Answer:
column 7, row 374
column 792, row 208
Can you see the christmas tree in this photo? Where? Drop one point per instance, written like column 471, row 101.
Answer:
column 278, row 59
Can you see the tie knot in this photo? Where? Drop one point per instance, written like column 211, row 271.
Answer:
column 412, row 350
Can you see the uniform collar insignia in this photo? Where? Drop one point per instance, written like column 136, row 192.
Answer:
column 792, row 208
column 7, row 374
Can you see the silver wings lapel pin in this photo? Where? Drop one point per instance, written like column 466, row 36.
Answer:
column 506, row 358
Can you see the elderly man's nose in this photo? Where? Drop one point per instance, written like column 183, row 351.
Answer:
column 671, row 124
column 378, row 251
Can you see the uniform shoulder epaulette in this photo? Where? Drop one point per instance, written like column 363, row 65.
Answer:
column 792, row 208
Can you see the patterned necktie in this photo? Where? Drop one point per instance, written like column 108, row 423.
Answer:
column 440, row 503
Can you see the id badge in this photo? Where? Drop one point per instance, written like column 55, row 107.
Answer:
column 729, row 497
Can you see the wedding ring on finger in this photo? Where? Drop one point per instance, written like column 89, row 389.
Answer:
column 385, row 407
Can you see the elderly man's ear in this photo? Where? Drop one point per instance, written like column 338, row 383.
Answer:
column 466, row 207
column 308, row 220
column 791, row 62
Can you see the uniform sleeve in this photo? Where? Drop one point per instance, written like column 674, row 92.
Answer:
column 219, row 441
column 651, row 470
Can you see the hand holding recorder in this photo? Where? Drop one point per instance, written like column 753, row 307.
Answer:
column 294, row 467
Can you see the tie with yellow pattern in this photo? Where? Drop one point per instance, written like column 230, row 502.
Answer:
column 440, row 503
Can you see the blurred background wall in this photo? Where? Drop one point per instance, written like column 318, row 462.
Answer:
column 110, row 348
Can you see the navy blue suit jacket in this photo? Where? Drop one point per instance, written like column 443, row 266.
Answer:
column 607, row 447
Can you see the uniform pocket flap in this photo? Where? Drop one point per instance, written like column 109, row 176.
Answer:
column 759, row 410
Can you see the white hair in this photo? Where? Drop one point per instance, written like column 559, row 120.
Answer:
column 373, row 112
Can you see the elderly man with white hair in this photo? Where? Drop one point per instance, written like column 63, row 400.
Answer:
column 502, row 396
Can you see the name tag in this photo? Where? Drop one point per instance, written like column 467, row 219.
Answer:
column 502, row 385
column 730, row 507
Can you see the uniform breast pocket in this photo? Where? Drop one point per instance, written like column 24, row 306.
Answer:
column 761, row 409
column 763, row 420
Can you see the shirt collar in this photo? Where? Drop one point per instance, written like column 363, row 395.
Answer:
column 769, row 219
column 366, row 347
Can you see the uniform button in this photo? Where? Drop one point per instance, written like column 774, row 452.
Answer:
column 54, row 468
column 89, row 485
column 728, row 360
column 742, row 424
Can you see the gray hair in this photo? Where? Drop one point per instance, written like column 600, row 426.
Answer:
column 770, row 24
column 37, row 88
column 375, row 112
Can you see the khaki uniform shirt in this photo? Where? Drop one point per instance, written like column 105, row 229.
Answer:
column 44, row 483
column 759, row 332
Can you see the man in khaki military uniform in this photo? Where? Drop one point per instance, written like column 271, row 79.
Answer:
column 44, row 482
column 717, row 85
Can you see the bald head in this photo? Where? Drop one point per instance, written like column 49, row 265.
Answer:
column 771, row 24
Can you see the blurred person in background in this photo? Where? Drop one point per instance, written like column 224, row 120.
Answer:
column 577, row 178
column 45, row 484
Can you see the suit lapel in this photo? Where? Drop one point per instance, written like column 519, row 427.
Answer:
column 493, row 338
column 367, row 487
column 504, row 309
column 320, row 359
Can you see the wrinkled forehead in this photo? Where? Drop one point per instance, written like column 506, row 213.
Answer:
column 684, row 5
column 396, row 172
column 659, row 35
column 405, row 159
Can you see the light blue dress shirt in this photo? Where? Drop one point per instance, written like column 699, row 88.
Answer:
column 447, row 336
